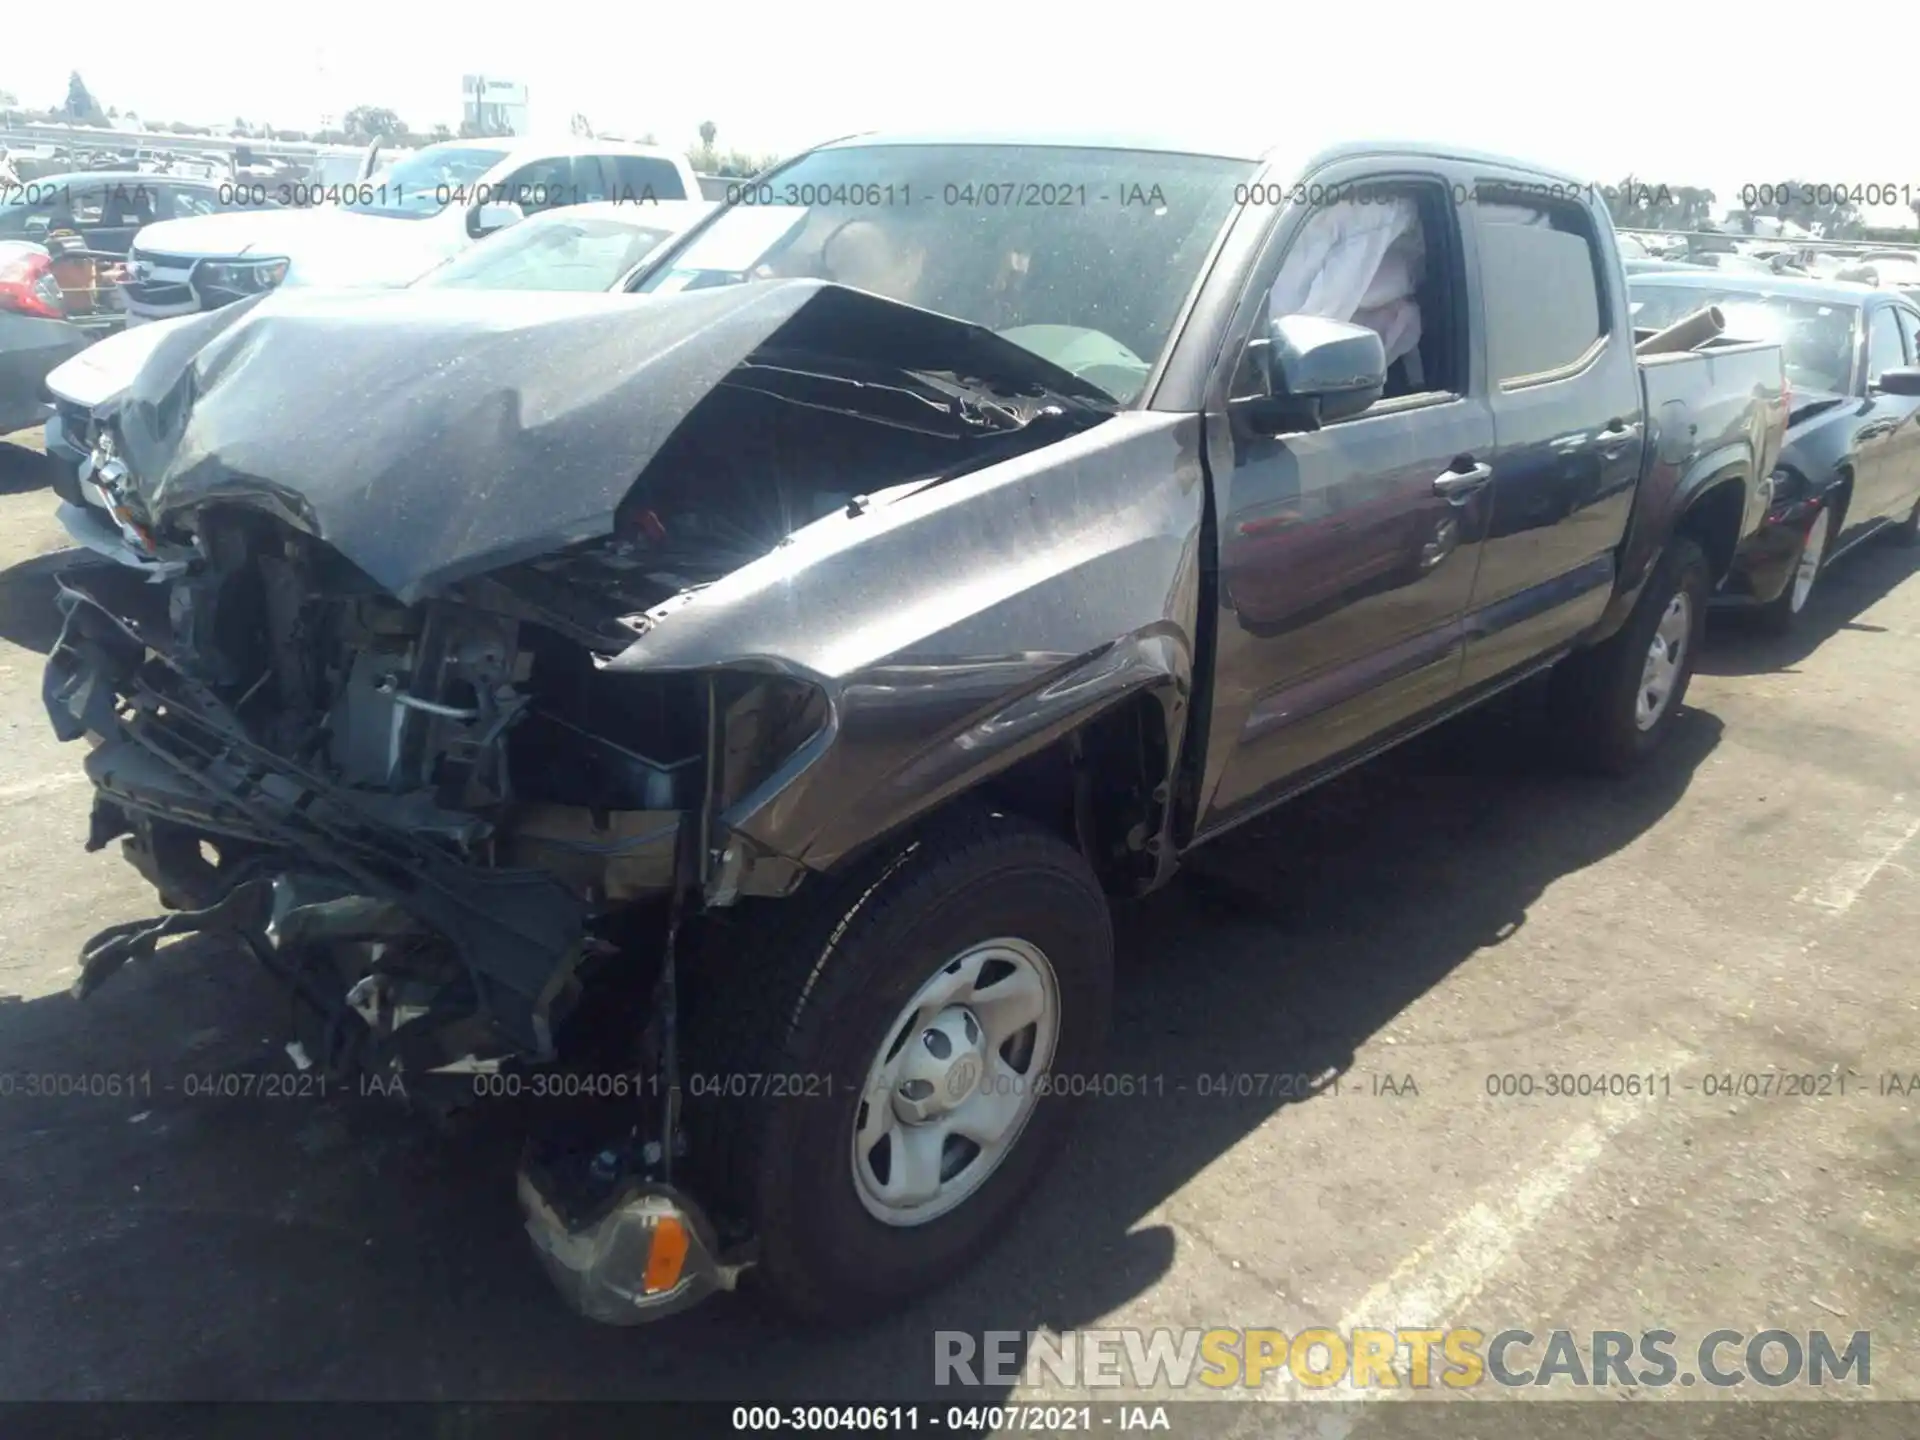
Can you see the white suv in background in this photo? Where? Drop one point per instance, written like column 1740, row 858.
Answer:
column 389, row 229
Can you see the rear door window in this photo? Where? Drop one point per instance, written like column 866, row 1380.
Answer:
column 61, row 207
column 638, row 179
column 195, row 202
column 549, row 183
column 1543, row 300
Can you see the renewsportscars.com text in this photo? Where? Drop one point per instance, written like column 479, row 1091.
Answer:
column 1364, row 1359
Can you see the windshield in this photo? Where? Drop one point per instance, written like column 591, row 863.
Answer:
column 1083, row 256
column 552, row 252
column 421, row 185
column 1817, row 337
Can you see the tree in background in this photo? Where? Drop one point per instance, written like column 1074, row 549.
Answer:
column 702, row 156
column 81, row 108
column 734, row 164
column 365, row 123
column 440, row 132
column 739, row 165
column 1823, row 209
column 1637, row 204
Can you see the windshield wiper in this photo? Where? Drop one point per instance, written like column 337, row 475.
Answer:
column 1032, row 399
column 927, row 402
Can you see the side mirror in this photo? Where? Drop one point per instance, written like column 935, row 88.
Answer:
column 1904, row 381
column 1318, row 372
column 493, row 215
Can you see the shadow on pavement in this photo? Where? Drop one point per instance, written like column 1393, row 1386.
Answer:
column 167, row 1245
column 28, row 616
column 23, row 468
column 1856, row 582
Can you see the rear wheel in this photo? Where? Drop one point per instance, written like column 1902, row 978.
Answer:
column 935, row 1016
column 1613, row 704
column 1779, row 614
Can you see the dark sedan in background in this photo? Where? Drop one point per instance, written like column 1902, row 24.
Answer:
column 62, row 240
column 1850, row 468
column 107, row 207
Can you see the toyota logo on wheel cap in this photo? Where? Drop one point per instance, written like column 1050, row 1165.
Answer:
column 961, row 1077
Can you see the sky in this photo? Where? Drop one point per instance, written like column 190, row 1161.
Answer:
column 1669, row 92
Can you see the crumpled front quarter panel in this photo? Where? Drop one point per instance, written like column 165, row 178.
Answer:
column 961, row 628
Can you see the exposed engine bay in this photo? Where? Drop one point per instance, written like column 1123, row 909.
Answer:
column 439, row 817
column 388, row 718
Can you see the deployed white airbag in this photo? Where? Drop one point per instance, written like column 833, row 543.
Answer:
column 1361, row 262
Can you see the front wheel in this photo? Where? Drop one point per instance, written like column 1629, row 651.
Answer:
column 938, row 1015
column 1613, row 704
column 1779, row 614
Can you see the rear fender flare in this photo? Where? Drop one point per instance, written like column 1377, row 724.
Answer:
column 1653, row 529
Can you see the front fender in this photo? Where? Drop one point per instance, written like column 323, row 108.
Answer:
column 866, row 784
column 959, row 630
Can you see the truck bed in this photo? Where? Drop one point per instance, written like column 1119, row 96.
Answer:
column 1707, row 409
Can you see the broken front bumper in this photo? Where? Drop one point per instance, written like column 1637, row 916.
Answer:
column 168, row 750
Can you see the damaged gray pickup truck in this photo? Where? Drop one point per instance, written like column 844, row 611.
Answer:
column 745, row 695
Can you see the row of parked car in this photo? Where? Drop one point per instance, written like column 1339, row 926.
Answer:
column 1850, row 329
column 86, row 254
column 1891, row 268
column 751, row 684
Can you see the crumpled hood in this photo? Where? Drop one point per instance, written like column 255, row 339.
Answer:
column 326, row 247
column 104, row 368
column 428, row 435
column 1811, row 405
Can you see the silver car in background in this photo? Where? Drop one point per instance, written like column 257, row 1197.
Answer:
column 576, row 248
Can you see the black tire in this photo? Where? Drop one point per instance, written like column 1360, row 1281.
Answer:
column 1777, row 616
column 808, row 988
column 1595, row 692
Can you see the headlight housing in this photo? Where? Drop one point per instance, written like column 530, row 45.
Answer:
column 243, row 277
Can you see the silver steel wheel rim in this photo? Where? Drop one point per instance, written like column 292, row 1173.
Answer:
column 1812, row 551
column 955, row 1081
column 1665, row 655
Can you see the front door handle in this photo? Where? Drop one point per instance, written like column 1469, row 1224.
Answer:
column 1458, row 484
